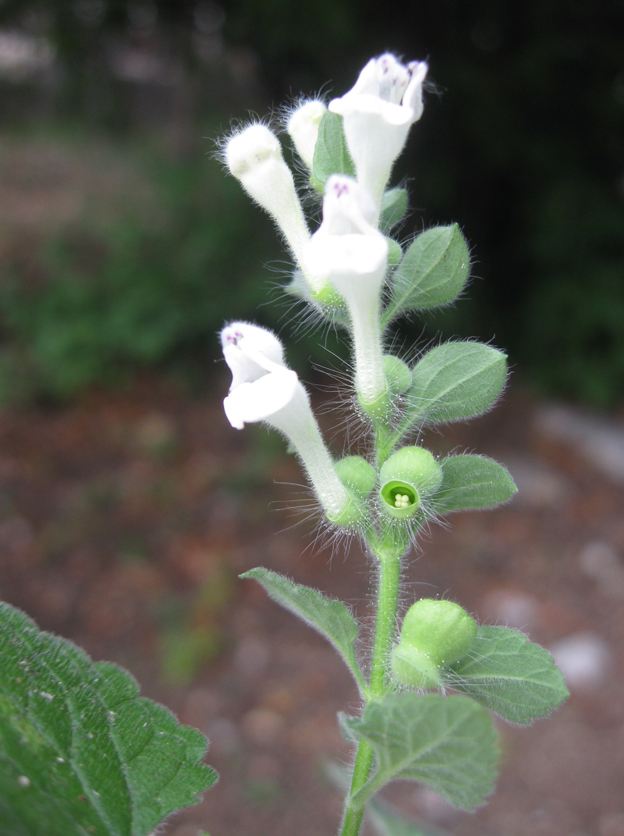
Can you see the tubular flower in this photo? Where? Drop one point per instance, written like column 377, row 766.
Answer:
column 349, row 252
column 378, row 112
column 254, row 157
column 264, row 389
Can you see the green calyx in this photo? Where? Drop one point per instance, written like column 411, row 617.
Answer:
column 328, row 297
column 351, row 515
column 356, row 474
column 400, row 499
column 434, row 634
column 409, row 476
column 379, row 409
column 414, row 668
column 398, row 374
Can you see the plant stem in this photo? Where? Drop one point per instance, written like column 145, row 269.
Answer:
column 387, row 601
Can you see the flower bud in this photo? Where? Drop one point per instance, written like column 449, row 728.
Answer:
column 409, row 476
column 434, row 634
column 303, row 128
column 356, row 474
column 254, row 157
column 398, row 374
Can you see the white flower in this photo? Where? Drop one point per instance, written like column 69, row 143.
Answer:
column 261, row 383
column 352, row 254
column 378, row 112
column 254, row 157
column 264, row 389
column 303, row 128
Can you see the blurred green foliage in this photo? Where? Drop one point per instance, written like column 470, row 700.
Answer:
column 136, row 293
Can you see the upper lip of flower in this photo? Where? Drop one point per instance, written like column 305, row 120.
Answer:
column 388, row 88
column 251, row 352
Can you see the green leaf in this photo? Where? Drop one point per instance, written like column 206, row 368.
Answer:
column 432, row 273
column 331, row 155
column 79, row 750
column 388, row 821
column 509, row 675
column 329, row 617
column 393, row 207
column 472, row 482
column 454, row 381
column 446, row 744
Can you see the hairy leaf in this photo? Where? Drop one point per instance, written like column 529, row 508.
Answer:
column 393, row 207
column 446, row 744
column 331, row 155
column 79, row 749
column 329, row 617
column 454, row 381
column 509, row 675
column 472, row 482
column 432, row 273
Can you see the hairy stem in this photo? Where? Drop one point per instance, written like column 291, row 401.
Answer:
column 387, row 601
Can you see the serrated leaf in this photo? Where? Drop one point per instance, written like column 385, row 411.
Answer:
column 446, row 744
column 79, row 750
column 393, row 207
column 329, row 617
column 455, row 381
column 331, row 155
column 388, row 821
column 472, row 482
column 433, row 271
column 509, row 675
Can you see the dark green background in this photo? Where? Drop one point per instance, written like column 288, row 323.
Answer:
column 521, row 143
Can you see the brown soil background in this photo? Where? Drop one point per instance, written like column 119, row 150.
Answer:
column 126, row 518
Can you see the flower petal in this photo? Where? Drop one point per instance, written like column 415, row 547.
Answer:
column 251, row 402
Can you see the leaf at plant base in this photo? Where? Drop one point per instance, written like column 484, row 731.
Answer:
column 446, row 744
column 472, row 482
column 455, row 381
column 388, row 821
column 331, row 155
column 329, row 617
column 79, row 750
column 509, row 675
column 393, row 207
column 433, row 271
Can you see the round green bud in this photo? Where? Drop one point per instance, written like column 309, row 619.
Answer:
column 356, row 474
column 434, row 634
column 408, row 476
column 398, row 374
